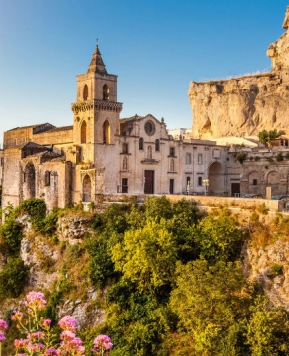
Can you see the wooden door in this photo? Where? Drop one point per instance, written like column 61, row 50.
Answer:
column 149, row 182
column 171, row 186
column 235, row 189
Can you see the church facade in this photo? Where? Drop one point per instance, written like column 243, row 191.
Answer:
column 102, row 155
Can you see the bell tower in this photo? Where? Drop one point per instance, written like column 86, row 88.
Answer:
column 96, row 110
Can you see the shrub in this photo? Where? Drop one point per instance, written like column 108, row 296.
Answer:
column 241, row 156
column 279, row 157
column 13, row 278
column 256, row 158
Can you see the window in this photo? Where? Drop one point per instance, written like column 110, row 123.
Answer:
column 172, row 165
column 124, row 148
column 140, row 143
column 105, row 92
column 188, row 158
column 47, row 178
column 83, row 132
column 188, row 181
column 149, row 127
column 149, row 151
column 255, row 181
column 172, row 151
column 106, row 132
column 200, row 159
column 157, row 145
column 85, row 92
column 124, row 184
column 200, row 180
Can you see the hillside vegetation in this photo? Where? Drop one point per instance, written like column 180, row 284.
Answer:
column 160, row 279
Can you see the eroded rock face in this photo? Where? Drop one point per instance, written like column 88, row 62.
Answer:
column 259, row 267
column 247, row 104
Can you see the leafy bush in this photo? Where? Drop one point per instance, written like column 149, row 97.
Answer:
column 241, row 157
column 13, row 278
column 10, row 236
column 279, row 157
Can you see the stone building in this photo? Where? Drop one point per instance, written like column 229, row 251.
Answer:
column 101, row 155
column 1, row 165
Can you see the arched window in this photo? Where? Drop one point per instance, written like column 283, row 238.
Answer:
column 83, row 132
column 149, row 151
column 157, row 145
column 105, row 92
column 140, row 143
column 85, row 92
column 172, row 165
column 106, row 132
column 124, row 164
column 47, row 178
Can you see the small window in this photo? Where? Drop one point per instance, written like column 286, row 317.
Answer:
column 124, row 185
column 172, row 151
column 188, row 158
column 200, row 181
column 124, row 148
column 85, row 92
column 140, row 143
column 200, row 159
column 47, row 178
column 255, row 181
column 83, row 132
column 157, row 145
column 105, row 92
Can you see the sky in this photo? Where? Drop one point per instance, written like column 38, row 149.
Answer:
column 156, row 47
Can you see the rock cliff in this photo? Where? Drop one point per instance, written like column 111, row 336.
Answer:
column 246, row 104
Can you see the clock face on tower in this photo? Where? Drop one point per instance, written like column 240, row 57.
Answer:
column 149, row 127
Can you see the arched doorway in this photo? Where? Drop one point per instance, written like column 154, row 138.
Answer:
column 216, row 179
column 273, row 178
column 29, row 181
column 86, row 189
column 106, row 132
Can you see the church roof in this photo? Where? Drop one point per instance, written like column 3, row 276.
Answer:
column 96, row 64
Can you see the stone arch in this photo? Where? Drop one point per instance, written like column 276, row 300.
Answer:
column 106, row 132
column 86, row 189
column 85, row 92
column 29, row 181
column 83, row 132
column 272, row 180
column 105, row 91
column 216, row 179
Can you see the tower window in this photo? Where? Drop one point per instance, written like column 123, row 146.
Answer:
column 83, row 132
column 105, row 92
column 85, row 92
column 106, row 132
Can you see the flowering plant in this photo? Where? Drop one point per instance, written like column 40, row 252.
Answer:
column 40, row 341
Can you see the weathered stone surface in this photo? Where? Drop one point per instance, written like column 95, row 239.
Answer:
column 247, row 104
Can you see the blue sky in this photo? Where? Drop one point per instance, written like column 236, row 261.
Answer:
column 156, row 47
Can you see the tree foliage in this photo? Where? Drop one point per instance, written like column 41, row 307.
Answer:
column 266, row 137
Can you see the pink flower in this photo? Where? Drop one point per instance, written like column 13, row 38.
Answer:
column 2, row 337
column 67, row 323
column 17, row 316
column 103, row 341
column 46, row 322
column 35, row 335
column 35, row 301
column 34, row 347
column 3, row 325
column 18, row 343
column 51, row 352
column 67, row 335
column 21, row 354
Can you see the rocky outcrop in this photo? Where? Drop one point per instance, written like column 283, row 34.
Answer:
column 269, row 267
column 247, row 104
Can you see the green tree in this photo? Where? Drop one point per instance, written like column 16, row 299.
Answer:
column 210, row 302
column 147, row 256
column 268, row 329
column 266, row 137
column 220, row 237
